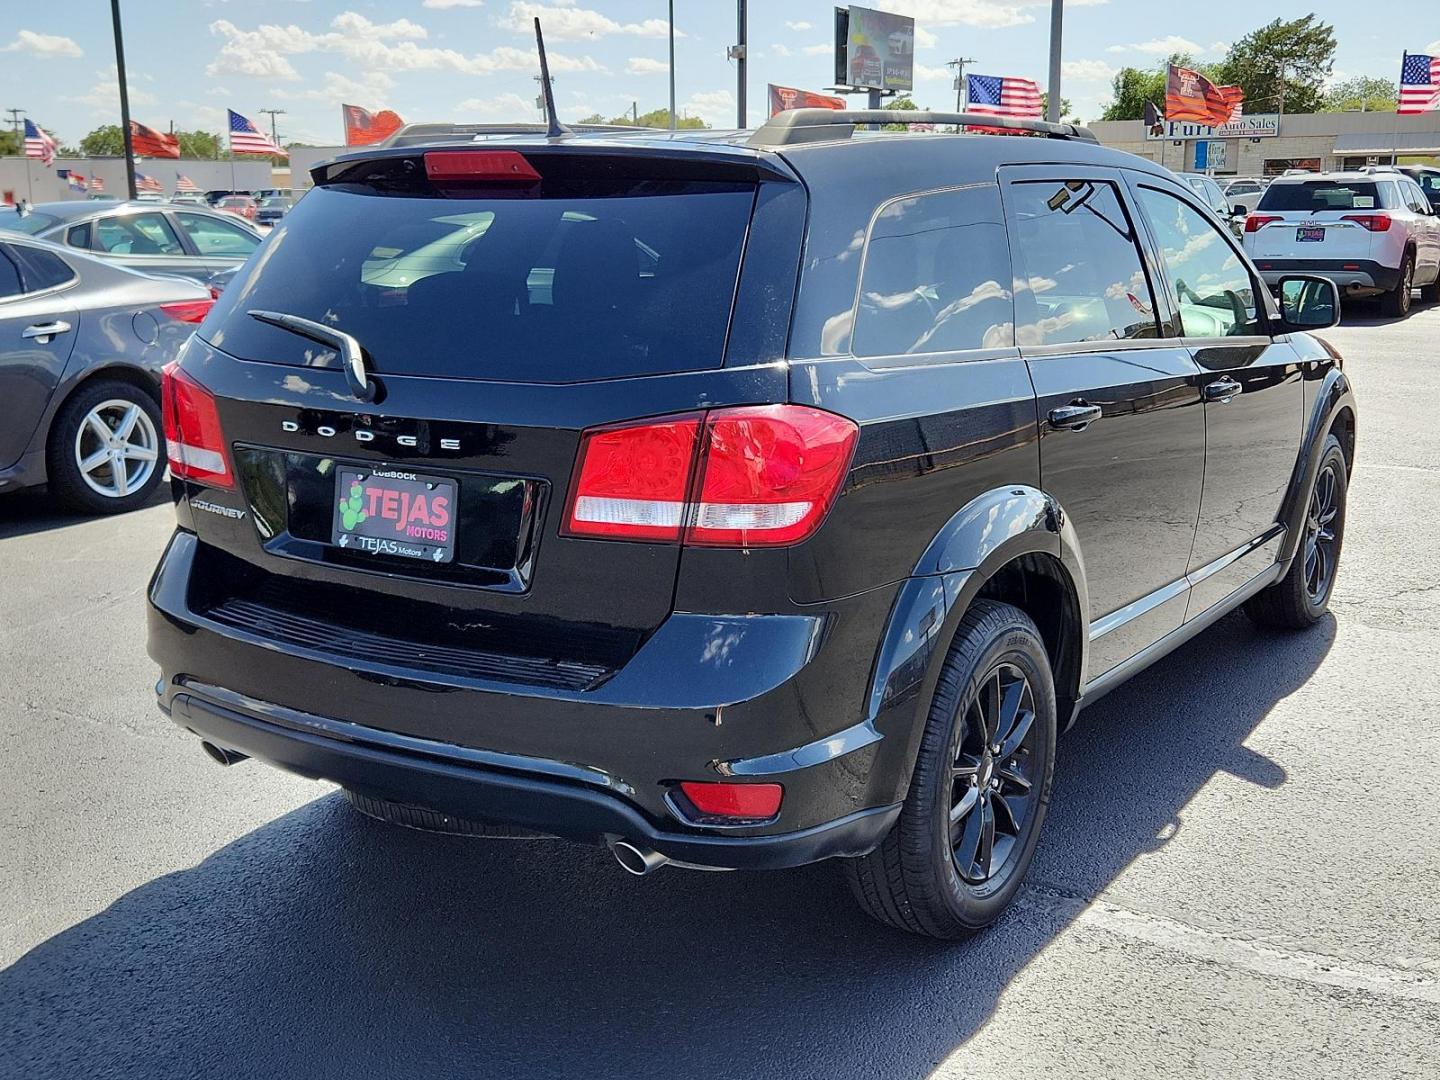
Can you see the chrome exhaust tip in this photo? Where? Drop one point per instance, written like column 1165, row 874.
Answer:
column 637, row 860
column 221, row 756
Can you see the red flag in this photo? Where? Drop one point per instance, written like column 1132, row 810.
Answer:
column 363, row 127
column 1235, row 99
column 151, row 143
column 1191, row 96
column 785, row 97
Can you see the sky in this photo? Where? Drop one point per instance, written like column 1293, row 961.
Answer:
column 473, row 60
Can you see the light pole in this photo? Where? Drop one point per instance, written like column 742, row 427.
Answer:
column 672, row 65
column 1052, row 103
column 124, row 100
column 737, row 52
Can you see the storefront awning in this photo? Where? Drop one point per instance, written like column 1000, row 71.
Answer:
column 1370, row 143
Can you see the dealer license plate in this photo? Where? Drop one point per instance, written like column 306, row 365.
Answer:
column 392, row 511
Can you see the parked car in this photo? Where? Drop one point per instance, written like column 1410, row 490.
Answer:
column 216, row 194
column 188, row 198
column 813, row 548
column 240, row 205
column 1372, row 233
column 189, row 241
column 1210, row 192
column 274, row 193
column 82, row 343
column 150, row 197
column 272, row 210
column 1428, row 177
column 1244, row 193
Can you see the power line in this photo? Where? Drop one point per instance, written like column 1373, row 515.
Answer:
column 273, row 113
column 17, row 118
column 960, row 86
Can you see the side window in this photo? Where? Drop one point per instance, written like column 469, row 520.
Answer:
column 79, row 236
column 9, row 274
column 1078, row 272
column 43, row 269
column 137, row 234
column 1415, row 197
column 937, row 276
column 1209, row 284
column 214, row 237
column 1389, row 196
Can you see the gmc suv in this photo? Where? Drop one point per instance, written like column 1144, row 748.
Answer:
column 735, row 499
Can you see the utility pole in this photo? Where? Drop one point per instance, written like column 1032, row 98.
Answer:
column 672, row 65
column 17, row 119
column 1052, row 103
column 737, row 53
column 274, row 138
column 540, row 97
column 961, row 87
column 124, row 101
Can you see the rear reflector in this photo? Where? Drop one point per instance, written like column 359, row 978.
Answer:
column 480, row 166
column 193, row 437
column 190, row 311
column 755, row 802
column 755, row 476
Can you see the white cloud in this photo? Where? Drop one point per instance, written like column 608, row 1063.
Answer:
column 1173, row 43
column 799, row 25
column 104, row 95
column 715, row 107
column 565, row 22
column 370, row 91
column 984, row 14
column 925, row 39
column 441, row 5
column 780, row 50
column 370, row 46
column 46, row 45
column 819, row 49
column 645, row 65
column 501, row 107
column 1087, row 70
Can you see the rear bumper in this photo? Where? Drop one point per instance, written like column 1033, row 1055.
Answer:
column 1348, row 274
column 773, row 698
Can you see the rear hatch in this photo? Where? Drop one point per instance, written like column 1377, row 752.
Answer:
column 503, row 303
column 1316, row 219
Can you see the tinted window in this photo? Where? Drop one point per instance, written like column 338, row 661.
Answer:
column 1209, row 285
column 552, row 289
column 43, row 269
column 78, row 236
column 937, row 276
column 214, row 237
column 1317, row 195
column 1414, row 197
column 9, row 274
column 1078, row 271
column 32, row 223
column 137, row 234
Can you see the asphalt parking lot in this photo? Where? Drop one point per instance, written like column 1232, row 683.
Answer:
column 1238, row 876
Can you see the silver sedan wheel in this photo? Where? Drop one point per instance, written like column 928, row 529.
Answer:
column 116, row 448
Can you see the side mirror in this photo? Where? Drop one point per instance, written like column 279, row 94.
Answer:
column 1308, row 303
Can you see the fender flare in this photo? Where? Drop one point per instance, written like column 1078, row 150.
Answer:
column 986, row 534
column 1332, row 398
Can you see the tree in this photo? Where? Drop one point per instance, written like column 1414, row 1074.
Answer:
column 1133, row 87
column 900, row 104
column 105, row 141
column 11, row 144
column 1364, row 93
column 655, row 118
column 199, row 144
column 1065, row 110
column 1303, row 49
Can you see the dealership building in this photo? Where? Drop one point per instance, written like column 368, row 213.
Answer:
column 1266, row 144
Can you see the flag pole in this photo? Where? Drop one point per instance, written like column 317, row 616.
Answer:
column 124, row 99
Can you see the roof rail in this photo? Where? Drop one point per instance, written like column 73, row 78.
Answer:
column 797, row 126
column 418, row 134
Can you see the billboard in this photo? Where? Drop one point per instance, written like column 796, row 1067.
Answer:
column 874, row 49
column 1256, row 126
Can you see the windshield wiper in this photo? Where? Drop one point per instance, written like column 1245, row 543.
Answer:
column 352, row 358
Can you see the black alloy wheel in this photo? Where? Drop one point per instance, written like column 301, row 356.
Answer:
column 1321, row 537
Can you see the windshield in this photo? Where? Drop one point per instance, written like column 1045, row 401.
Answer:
column 32, row 223
column 1314, row 196
column 553, row 289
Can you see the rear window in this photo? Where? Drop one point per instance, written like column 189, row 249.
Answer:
column 33, row 223
column 552, row 289
column 1320, row 195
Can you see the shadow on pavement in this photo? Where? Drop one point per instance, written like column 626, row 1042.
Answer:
column 322, row 944
column 33, row 511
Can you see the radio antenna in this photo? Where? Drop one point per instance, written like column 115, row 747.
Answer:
column 554, row 129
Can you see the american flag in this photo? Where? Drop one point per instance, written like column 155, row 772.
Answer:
column 38, row 144
column 147, row 183
column 184, row 183
column 997, row 96
column 97, row 185
column 1419, row 84
column 245, row 137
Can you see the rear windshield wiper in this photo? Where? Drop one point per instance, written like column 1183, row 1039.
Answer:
column 352, row 357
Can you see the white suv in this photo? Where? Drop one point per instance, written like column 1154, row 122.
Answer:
column 1372, row 233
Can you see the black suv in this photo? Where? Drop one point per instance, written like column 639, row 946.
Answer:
column 735, row 499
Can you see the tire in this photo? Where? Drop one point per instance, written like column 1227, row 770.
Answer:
column 1299, row 599
column 74, row 435
column 913, row 880
column 1396, row 302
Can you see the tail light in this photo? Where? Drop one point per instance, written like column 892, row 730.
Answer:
column 190, row 311
column 755, row 476
column 751, row 802
column 193, row 437
column 1256, row 222
column 1372, row 222
column 480, row 166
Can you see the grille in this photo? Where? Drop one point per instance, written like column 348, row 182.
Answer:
column 365, row 646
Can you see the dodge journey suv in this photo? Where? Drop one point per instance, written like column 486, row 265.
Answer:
column 735, row 499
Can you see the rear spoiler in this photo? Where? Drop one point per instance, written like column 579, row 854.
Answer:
column 420, row 134
column 798, row 126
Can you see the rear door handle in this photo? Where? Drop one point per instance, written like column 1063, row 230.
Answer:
column 1221, row 390
column 46, row 330
column 1074, row 417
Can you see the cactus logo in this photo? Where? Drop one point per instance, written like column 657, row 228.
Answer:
column 352, row 510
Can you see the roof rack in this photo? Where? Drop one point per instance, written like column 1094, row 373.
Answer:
column 417, row 134
column 797, row 126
